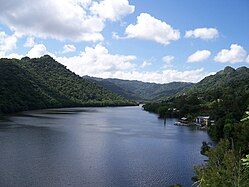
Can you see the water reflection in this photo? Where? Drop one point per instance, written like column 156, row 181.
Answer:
column 96, row 147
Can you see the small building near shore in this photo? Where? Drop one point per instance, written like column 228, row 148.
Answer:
column 202, row 120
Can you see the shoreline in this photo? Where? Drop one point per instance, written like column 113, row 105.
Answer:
column 2, row 114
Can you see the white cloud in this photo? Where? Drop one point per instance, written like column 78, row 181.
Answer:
column 203, row 33
column 199, row 56
column 13, row 55
column 235, row 54
column 145, row 64
column 57, row 19
column 113, row 10
column 168, row 61
column 62, row 19
column 69, row 48
column 247, row 59
column 117, row 37
column 7, row 43
column 37, row 51
column 84, row 3
column 97, row 61
column 159, row 76
column 150, row 28
column 30, row 42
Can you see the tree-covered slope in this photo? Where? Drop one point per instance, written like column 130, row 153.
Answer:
column 44, row 83
column 142, row 91
column 228, row 78
column 223, row 96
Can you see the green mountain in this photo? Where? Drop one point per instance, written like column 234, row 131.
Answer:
column 44, row 83
column 229, row 78
column 141, row 91
column 223, row 96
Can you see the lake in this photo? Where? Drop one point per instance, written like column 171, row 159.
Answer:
column 110, row 146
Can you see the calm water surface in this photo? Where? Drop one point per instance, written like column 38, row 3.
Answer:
column 123, row 146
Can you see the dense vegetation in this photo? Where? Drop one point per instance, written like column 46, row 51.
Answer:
column 224, row 168
column 44, row 83
column 228, row 163
column 225, row 98
column 141, row 91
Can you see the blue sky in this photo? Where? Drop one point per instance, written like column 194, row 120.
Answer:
column 80, row 35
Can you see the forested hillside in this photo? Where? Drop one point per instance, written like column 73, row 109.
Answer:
column 141, row 91
column 44, row 83
column 223, row 96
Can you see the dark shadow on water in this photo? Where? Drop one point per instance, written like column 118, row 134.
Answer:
column 68, row 111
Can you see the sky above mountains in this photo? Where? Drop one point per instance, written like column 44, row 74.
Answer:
column 154, row 41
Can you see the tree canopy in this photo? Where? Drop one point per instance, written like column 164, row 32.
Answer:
column 44, row 83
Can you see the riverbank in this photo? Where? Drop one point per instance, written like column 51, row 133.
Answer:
column 198, row 126
column 123, row 104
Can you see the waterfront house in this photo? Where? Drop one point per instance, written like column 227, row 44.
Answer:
column 202, row 120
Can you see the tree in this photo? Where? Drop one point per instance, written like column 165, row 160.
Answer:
column 224, row 168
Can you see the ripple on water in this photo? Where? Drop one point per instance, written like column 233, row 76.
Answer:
column 121, row 146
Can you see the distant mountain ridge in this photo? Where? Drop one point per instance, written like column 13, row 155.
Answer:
column 38, row 83
column 227, row 78
column 141, row 91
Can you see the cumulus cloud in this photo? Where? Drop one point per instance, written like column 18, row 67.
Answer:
column 199, row 56
column 113, row 10
column 235, row 54
column 57, row 19
column 99, row 62
column 150, row 28
column 145, row 64
column 117, row 37
column 30, row 42
column 168, row 61
column 159, row 76
column 203, row 33
column 247, row 59
column 13, row 55
column 61, row 19
column 7, row 43
column 38, row 50
column 96, row 61
column 69, row 48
